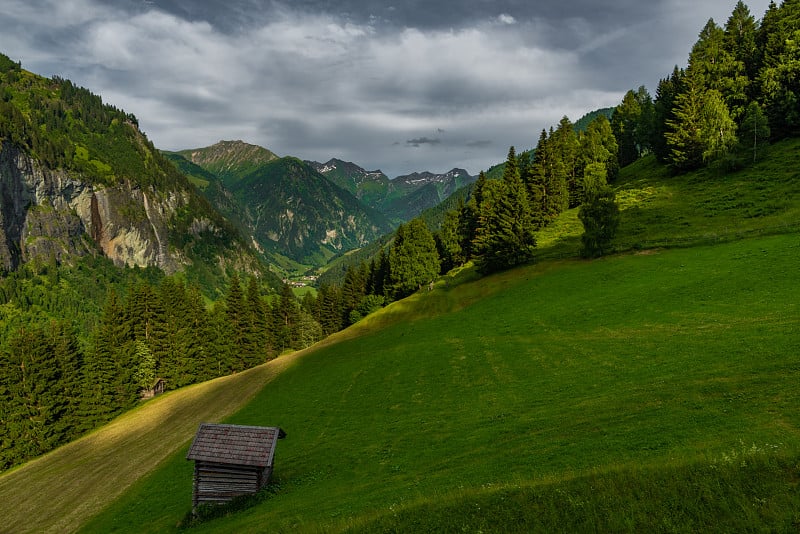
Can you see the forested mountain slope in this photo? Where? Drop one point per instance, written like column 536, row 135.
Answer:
column 286, row 206
column 78, row 178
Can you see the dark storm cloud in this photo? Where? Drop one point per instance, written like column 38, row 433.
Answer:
column 321, row 79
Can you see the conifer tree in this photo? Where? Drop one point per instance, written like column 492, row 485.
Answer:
column 413, row 259
column 624, row 124
column 556, row 195
column 468, row 218
column 535, row 180
column 63, row 342
column 566, row 146
column 238, row 327
column 379, row 274
column 110, row 364
column 779, row 78
column 664, row 113
column 329, row 309
column 713, row 65
column 222, row 359
column 684, row 136
column 740, row 41
column 353, row 290
column 708, row 58
column 506, row 233
column 39, row 406
column 448, row 241
column 286, row 314
column 259, row 333
column 600, row 218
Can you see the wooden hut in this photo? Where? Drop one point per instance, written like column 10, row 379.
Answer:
column 231, row 460
column 157, row 388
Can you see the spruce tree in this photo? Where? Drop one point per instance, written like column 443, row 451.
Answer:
column 413, row 259
column 329, row 309
column 353, row 290
column 448, row 241
column 238, row 325
column 664, row 113
column 684, row 135
column 468, row 218
column 600, row 218
column 623, row 123
column 259, row 332
column 506, row 233
column 565, row 145
column 535, row 180
column 556, row 195
column 286, row 314
column 779, row 78
column 740, row 41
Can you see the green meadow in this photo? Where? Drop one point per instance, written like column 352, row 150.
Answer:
column 654, row 389
column 658, row 390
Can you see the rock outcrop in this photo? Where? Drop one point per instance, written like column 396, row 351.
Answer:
column 53, row 214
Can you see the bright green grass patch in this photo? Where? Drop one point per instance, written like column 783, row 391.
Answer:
column 639, row 366
column 199, row 183
column 703, row 207
column 301, row 292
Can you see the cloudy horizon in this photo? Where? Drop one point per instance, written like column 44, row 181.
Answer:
column 404, row 87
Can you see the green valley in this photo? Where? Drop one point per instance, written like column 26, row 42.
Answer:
column 601, row 334
column 648, row 389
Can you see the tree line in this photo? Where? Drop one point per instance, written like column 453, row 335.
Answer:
column 738, row 93
column 496, row 228
column 57, row 382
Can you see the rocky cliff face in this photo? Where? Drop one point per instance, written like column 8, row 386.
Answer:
column 46, row 214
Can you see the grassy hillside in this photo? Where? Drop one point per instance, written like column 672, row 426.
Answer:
column 638, row 373
column 652, row 390
column 703, row 207
column 61, row 490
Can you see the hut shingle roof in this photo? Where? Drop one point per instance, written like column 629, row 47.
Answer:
column 235, row 444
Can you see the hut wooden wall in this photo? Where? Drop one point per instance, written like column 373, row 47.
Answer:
column 219, row 483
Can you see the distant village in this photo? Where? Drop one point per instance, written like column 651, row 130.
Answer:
column 303, row 282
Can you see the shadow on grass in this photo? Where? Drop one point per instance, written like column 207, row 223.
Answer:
column 750, row 490
column 208, row 512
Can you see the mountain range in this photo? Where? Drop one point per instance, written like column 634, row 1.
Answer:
column 399, row 199
column 78, row 178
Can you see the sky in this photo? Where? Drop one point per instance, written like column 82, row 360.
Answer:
column 401, row 86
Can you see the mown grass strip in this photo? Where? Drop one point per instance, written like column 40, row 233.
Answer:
column 61, row 490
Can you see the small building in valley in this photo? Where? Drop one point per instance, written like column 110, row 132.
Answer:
column 158, row 387
column 231, row 460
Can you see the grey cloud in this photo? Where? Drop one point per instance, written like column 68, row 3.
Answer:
column 479, row 144
column 419, row 141
column 320, row 79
